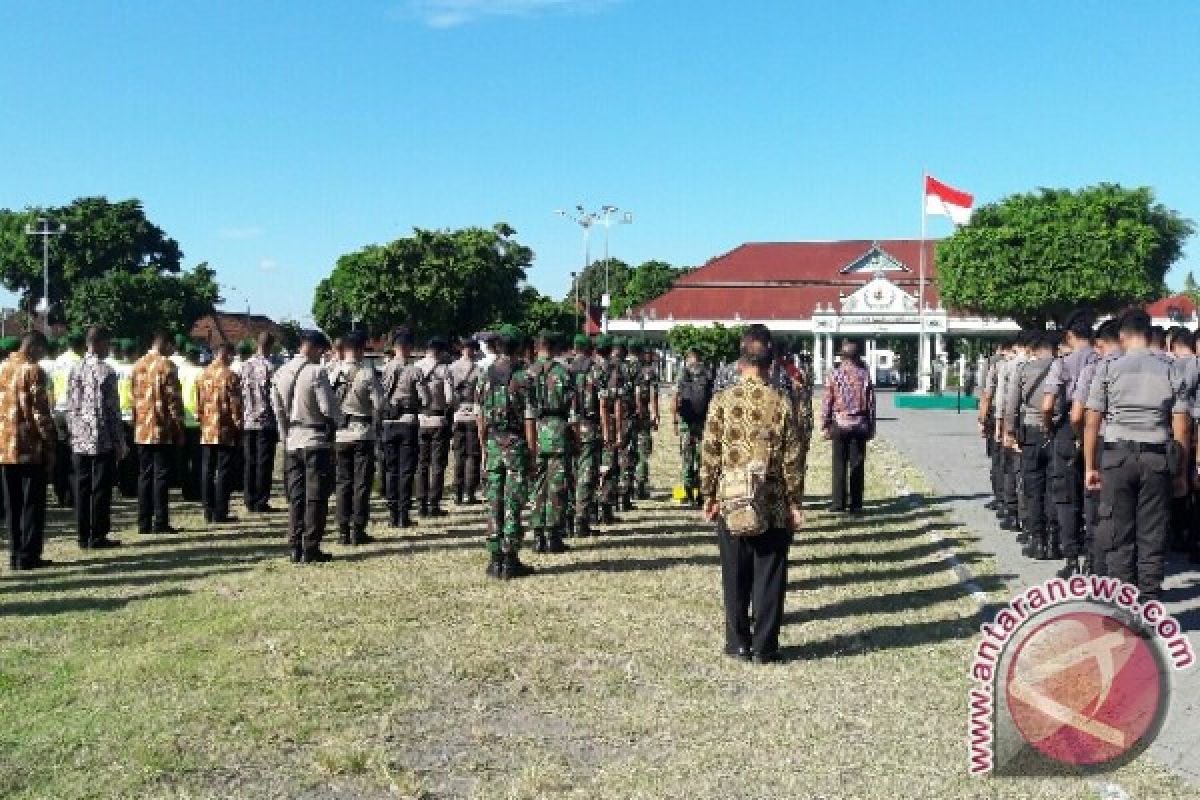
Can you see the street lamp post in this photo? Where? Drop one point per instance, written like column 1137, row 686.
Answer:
column 575, row 291
column 44, row 230
column 606, row 219
column 586, row 219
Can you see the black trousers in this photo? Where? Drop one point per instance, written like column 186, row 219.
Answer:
column 355, row 475
column 25, row 502
column 1035, row 465
column 190, row 466
column 433, row 449
column 849, row 468
column 308, row 485
column 64, row 480
column 753, row 569
column 127, row 468
column 1010, row 480
column 217, row 486
column 94, row 480
column 1066, row 487
column 1134, row 517
column 154, row 476
column 400, row 465
column 259, row 460
column 467, row 460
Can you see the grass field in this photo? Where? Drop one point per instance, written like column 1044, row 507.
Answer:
column 206, row 665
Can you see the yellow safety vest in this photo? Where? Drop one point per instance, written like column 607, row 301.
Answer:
column 189, row 375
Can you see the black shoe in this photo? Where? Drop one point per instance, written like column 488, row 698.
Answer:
column 766, row 658
column 1054, row 550
column 627, row 503
column 472, row 500
column 315, row 555
column 555, row 544
column 1008, row 523
column 104, row 543
column 1030, row 548
column 539, row 543
column 406, row 521
column 1022, row 537
column 990, row 505
column 37, row 563
column 1088, row 568
column 513, row 568
column 297, row 555
column 742, row 653
column 643, row 492
column 458, row 499
column 208, row 518
column 837, row 510
column 344, row 537
column 494, row 567
column 606, row 515
column 266, row 509
column 166, row 530
column 362, row 537
column 225, row 520
column 424, row 510
column 570, row 529
column 438, row 511
column 1071, row 567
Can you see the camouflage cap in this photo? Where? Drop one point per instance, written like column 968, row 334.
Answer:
column 637, row 345
column 581, row 340
column 510, row 333
column 604, row 341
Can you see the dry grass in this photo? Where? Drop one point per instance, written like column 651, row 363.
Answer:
column 207, row 666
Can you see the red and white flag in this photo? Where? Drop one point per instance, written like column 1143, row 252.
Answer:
column 944, row 200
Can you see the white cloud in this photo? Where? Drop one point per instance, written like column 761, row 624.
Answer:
column 268, row 265
column 453, row 13
column 241, row 234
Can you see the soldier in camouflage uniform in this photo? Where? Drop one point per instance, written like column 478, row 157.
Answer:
column 645, row 375
column 693, row 392
column 553, row 404
column 587, row 381
column 607, row 368
column 624, row 389
column 506, row 435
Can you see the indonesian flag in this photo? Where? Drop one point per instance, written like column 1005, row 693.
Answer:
column 947, row 201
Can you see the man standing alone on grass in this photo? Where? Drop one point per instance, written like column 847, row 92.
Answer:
column 97, row 441
column 157, row 431
column 693, row 393
column 27, row 444
column 219, row 412
column 848, row 419
column 749, row 481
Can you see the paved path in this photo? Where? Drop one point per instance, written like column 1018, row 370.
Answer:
column 946, row 446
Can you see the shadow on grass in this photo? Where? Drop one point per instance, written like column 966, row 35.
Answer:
column 63, row 605
column 883, row 637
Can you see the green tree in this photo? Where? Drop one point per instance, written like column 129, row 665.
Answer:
column 541, row 313
column 101, row 238
column 592, row 281
column 139, row 304
column 434, row 281
column 1191, row 288
column 289, row 337
column 1038, row 256
column 649, row 280
column 715, row 342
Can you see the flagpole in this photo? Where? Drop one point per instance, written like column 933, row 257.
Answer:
column 921, row 347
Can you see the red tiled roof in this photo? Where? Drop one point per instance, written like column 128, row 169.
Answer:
column 1161, row 308
column 786, row 280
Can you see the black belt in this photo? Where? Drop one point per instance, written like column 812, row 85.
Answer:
column 1137, row 447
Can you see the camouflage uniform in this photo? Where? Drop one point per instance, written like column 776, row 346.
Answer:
column 551, row 401
column 645, row 377
column 611, row 374
column 627, row 457
column 691, row 425
column 588, row 381
column 504, row 412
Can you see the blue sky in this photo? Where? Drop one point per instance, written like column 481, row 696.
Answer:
column 271, row 137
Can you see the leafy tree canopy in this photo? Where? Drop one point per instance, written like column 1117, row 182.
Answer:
column 541, row 313
column 629, row 287
column 1037, row 257
column 111, row 266
column 716, row 342
column 435, row 281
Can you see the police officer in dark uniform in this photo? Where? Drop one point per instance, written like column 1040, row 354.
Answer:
column 1024, row 418
column 1141, row 398
column 1059, row 402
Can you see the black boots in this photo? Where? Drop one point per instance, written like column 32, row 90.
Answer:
column 643, row 492
column 626, row 502
column 539, row 542
column 581, row 528
column 555, row 543
column 511, row 567
column 494, row 565
column 1038, row 547
column 424, row 510
column 606, row 515
column 314, row 555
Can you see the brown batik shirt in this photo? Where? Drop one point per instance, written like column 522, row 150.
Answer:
column 748, row 423
column 219, row 405
column 26, row 427
column 157, row 401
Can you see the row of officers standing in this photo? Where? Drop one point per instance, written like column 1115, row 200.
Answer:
column 1092, row 435
column 565, row 436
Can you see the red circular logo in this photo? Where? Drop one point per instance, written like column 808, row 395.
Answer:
column 1084, row 689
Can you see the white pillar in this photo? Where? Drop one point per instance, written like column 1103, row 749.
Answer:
column 828, row 351
column 817, row 359
column 872, row 359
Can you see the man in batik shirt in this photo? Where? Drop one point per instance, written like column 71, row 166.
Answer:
column 219, row 405
column 157, row 430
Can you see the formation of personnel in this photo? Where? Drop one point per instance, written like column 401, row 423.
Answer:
column 557, row 440
column 1092, row 435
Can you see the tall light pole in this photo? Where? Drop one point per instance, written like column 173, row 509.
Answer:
column 575, row 291
column 606, row 216
column 606, row 219
column 585, row 220
column 45, row 231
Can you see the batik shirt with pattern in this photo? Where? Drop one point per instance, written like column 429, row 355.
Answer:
column 93, row 408
column 752, row 422
column 26, row 427
column 219, row 405
column 257, row 414
column 157, row 401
